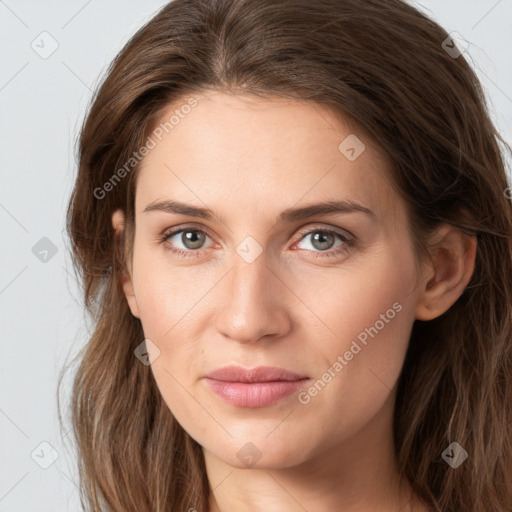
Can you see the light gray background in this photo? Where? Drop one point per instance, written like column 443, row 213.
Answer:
column 42, row 104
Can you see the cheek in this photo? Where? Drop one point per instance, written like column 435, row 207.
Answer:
column 174, row 304
column 166, row 300
column 369, row 314
column 375, row 290
column 165, row 292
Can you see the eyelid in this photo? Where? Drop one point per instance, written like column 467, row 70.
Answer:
column 348, row 239
column 303, row 230
column 183, row 227
column 326, row 227
column 175, row 230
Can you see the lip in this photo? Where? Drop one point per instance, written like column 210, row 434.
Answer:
column 255, row 387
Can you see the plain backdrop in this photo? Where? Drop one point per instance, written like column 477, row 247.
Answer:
column 53, row 56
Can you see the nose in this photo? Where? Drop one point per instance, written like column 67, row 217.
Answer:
column 254, row 302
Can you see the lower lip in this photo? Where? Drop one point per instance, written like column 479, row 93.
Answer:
column 254, row 394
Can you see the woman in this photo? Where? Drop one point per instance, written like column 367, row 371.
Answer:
column 292, row 224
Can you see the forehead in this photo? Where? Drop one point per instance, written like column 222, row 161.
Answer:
column 239, row 152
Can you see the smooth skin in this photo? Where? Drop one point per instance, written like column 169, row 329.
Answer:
column 249, row 159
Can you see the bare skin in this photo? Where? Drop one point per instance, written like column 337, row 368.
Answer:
column 248, row 160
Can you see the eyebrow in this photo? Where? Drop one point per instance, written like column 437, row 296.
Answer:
column 287, row 216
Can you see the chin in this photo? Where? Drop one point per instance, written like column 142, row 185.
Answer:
column 262, row 454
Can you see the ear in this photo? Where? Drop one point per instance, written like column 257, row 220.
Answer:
column 449, row 270
column 126, row 278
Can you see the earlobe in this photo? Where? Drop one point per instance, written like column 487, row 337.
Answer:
column 126, row 280
column 118, row 221
column 452, row 256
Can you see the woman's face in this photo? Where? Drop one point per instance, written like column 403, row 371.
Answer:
column 330, row 297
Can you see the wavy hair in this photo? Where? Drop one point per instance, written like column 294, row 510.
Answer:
column 382, row 65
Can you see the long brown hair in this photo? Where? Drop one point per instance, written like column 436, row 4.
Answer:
column 386, row 67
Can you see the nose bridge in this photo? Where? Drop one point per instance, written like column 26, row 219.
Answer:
column 249, row 279
column 253, row 305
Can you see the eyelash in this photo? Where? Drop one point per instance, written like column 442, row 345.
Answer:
column 349, row 242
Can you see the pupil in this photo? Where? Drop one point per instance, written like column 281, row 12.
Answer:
column 322, row 236
column 189, row 238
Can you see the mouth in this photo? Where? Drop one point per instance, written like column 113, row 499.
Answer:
column 256, row 387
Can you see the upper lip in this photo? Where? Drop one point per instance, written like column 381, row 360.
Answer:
column 258, row 374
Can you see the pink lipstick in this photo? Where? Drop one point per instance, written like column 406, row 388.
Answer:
column 256, row 387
